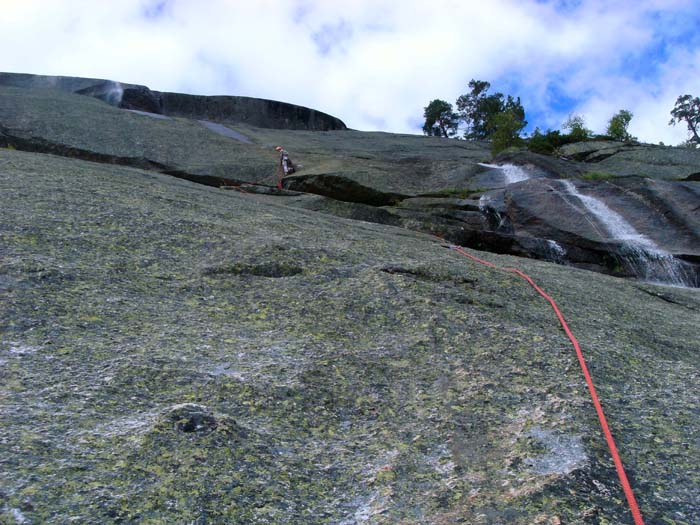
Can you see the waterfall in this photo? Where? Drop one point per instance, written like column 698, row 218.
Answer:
column 114, row 94
column 511, row 172
column 641, row 254
column 497, row 220
column 555, row 252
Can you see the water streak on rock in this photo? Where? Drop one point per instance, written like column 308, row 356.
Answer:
column 511, row 172
column 114, row 94
column 640, row 253
column 555, row 252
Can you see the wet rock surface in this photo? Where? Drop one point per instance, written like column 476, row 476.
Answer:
column 554, row 210
column 226, row 132
column 543, row 165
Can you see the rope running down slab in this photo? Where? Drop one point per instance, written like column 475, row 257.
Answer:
column 626, row 487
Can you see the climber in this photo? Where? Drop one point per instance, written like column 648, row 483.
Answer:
column 286, row 166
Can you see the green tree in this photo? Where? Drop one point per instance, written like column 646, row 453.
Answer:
column 617, row 127
column 506, row 126
column 440, row 119
column 577, row 128
column 542, row 142
column 477, row 109
column 687, row 109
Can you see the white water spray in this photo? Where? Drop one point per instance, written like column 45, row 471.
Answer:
column 487, row 208
column 114, row 93
column 616, row 225
column 555, row 252
column 642, row 254
column 511, row 172
column 484, row 202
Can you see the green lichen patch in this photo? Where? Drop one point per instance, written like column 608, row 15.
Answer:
column 163, row 360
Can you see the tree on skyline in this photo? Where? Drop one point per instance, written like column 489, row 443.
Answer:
column 440, row 119
column 507, row 126
column 617, row 126
column 478, row 110
column 577, row 128
column 484, row 116
column 687, row 109
column 475, row 107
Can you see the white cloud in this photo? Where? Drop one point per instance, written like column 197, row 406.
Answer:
column 373, row 63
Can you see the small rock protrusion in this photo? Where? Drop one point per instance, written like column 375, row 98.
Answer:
column 191, row 418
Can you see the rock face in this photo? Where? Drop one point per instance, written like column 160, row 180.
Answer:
column 253, row 111
column 643, row 160
column 586, row 220
column 165, row 341
column 414, row 182
column 174, row 353
column 224, row 109
column 544, row 165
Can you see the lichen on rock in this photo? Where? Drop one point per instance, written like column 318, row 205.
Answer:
column 174, row 353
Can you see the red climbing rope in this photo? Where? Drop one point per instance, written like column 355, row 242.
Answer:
column 634, row 508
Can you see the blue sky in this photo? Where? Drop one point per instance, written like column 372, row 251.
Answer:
column 377, row 63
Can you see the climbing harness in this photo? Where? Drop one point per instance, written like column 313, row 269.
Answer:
column 632, row 502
